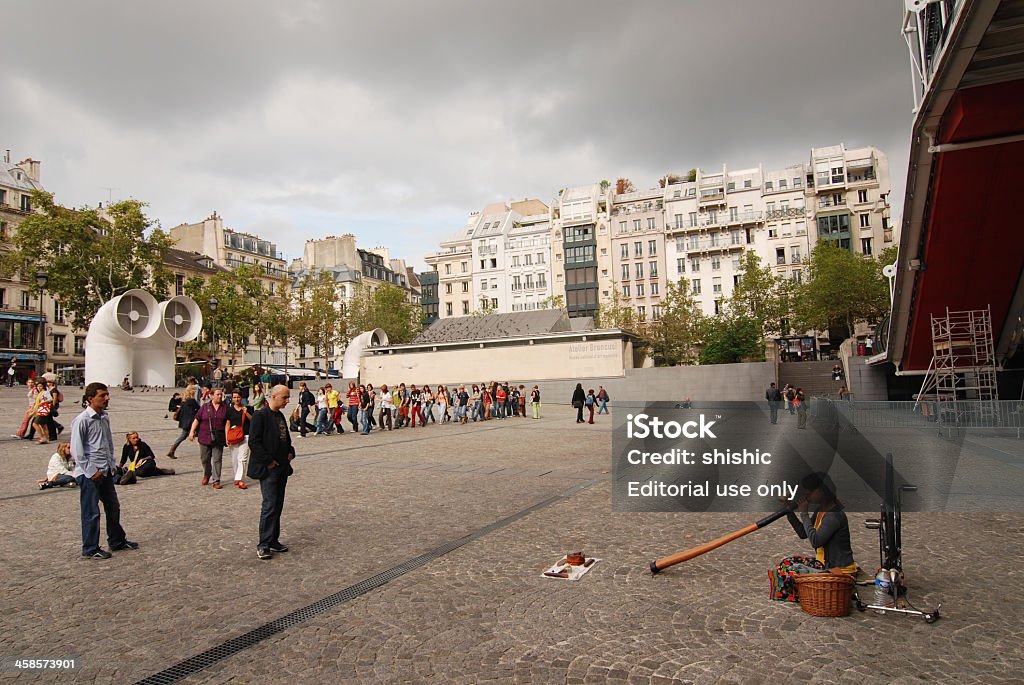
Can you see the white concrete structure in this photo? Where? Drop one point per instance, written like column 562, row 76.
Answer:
column 358, row 347
column 133, row 336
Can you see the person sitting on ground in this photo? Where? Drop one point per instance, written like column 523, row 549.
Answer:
column 142, row 454
column 826, row 528
column 61, row 470
column 173, row 405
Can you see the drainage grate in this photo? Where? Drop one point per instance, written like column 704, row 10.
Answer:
column 199, row 662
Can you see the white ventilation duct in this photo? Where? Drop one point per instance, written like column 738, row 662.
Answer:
column 180, row 321
column 132, row 335
column 112, row 335
column 354, row 352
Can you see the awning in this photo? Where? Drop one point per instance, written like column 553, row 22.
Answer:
column 32, row 318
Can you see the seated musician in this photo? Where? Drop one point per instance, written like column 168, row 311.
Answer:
column 819, row 518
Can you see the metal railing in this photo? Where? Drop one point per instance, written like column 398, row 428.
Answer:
column 1005, row 415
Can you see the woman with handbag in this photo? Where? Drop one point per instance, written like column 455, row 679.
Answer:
column 237, row 437
column 184, row 415
column 136, row 452
column 209, row 427
column 578, row 398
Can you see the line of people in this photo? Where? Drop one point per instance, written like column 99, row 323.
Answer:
column 388, row 408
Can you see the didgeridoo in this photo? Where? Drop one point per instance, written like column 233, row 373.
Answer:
column 687, row 554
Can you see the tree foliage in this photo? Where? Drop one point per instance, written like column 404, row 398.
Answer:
column 318, row 316
column 674, row 339
column 617, row 313
column 89, row 259
column 761, row 296
column 841, row 289
column 731, row 338
column 385, row 307
column 237, row 318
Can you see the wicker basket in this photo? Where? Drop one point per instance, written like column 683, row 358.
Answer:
column 824, row 594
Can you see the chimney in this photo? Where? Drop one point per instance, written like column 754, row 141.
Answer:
column 30, row 166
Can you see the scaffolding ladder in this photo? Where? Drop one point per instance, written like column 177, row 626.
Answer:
column 961, row 378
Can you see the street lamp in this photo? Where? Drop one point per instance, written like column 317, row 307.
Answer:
column 213, row 327
column 41, row 278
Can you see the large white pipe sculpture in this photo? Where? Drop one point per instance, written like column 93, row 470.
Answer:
column 180, row 321
column 354, row 352
column 132, row 335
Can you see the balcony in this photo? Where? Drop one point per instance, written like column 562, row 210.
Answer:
column 718, row 220
column 639, row 207
column 708, row 245
column 486, row 250
column 786, row 213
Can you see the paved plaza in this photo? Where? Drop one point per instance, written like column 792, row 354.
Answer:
column 416, row 557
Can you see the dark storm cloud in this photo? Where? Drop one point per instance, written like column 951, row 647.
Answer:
column 432, row 109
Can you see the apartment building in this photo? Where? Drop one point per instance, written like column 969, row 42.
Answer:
column 528, row 254
column 581, row 246
column 453, row 264
column 638, row 270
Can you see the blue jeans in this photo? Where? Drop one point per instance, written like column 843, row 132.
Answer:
column 353, row 414
column 604, row 407
column 322, row 425
column 92, row 492
column 272, row 488
column 59, row 481
column 364, row 418
column 428, row 413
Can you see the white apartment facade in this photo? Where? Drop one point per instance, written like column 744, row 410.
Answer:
column 638, row 272
column 528, row 254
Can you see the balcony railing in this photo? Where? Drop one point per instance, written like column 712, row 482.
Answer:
column 707, row 245
column 720, row 219
column 927, row 31
column 786, row 213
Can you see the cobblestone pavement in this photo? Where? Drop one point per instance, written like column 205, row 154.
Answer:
column 360, row 505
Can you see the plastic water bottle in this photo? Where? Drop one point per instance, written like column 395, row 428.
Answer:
column 883, row 585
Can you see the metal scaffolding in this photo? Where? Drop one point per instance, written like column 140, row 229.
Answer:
column 961, row 378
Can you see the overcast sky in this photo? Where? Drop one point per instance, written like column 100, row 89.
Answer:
column 392, row 120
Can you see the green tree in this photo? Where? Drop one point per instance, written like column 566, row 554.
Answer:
column 318, row 319
column 759, row 295
column 388, row 308
column 237, row 319
column 89, row 258
column 485, row 307
column 553, row 302
column 673, row 339
column 841, row 289
column 617, row 313
column 731, row 338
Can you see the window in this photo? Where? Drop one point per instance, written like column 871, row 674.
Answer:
column 576, row 255
column 636, row 224
column 80, row 345
column 837, row 174
column 638, row 249
column 483, row 284
column 653, row 269
column 768, row 186
column 625, row 250
column 770, row 207
column 713, row 239
column 654, row 288
column 732, row 186
column 639, row 269
column 796, row 182
column 652, row 247
column 465, row 307
column 494, row 263
column 734, row 237
column 542, row 280
column 734, row 213
column 833, row 225
column 695, row 284
column 4, row 229
column 26, row 300
column 782, row 184
column 26, row 203
column 58, row 312
column 448, row 288
column 694, row 264
column 625, row 290
column 718, row 307
column 58, row 344
column 622, row 227
column 678, row 221
column 639, row 289
column 746, row 183
column 515, row 260
column 693, row 219
column 516, row 285
column 681, row 265
column 447, row 269
column 529, row 281
column 862, row 196
column 716, row 263
column 716, row 285
column 448, row 309
column 865, row 221
column 625, row 272
column 540, row 257
column 465, row 286
column 641, row 313
column 650, row 223
column 3, row 196
column 798, row 276
column 179, row 284
column 780, row 255
column 528, row 260
column 794, row 254
column 838, row 199
column 483, row 263
column 656, row 312
column 773, row 233
column 494, row 303
column 680, row 244
column 865, row 246
column 465, row 267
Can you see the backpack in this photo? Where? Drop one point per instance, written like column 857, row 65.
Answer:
column 589, row 401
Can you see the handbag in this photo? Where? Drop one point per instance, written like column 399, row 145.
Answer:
column 236, row 434
column 577, row 404
column 129, row 477
column 43, row 410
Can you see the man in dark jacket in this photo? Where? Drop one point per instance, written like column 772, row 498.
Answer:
column 774, row 397
column 270, row 456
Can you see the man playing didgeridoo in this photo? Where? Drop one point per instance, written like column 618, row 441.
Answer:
column 825, row 527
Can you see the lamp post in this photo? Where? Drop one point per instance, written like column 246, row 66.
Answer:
column 41, row 278
column 213, row 330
